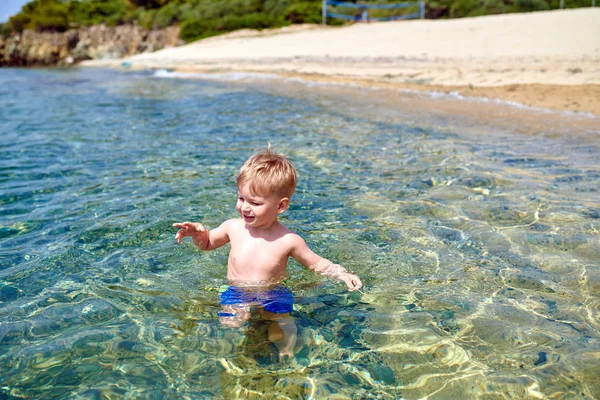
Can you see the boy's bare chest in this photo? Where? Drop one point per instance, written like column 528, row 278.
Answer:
column 258, row 253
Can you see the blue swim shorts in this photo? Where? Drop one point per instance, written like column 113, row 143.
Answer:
column 277, row 300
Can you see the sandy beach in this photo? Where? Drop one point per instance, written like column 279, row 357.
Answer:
column 544, row 59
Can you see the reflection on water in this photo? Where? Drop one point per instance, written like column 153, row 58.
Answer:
column 479, row 247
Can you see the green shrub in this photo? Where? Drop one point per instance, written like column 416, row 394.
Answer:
column 530, row 5
column 4, row 30
column 462, row 8
column 148, row 3
column 145, row 18
column 50, row 15
column 193, row 30
column 167, row 15
column 19, row 22
column 304, row 13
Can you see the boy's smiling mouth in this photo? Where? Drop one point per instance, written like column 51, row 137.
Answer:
column 248, row 218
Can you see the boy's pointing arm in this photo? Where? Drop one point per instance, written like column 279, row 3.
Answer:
column 202, row 237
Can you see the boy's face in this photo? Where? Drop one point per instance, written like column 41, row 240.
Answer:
column 259, row 211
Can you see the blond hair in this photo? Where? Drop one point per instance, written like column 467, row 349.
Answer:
column 268, row 173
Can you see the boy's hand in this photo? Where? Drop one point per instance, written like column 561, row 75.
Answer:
column 351, row 280
column 327, row 268
column 193, row 229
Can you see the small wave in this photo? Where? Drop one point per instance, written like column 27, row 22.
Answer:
column 457, row 96
column 225, row 76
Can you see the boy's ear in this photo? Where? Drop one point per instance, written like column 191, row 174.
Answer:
column 283, row 205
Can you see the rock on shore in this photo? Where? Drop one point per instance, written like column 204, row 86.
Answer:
column 32, row 48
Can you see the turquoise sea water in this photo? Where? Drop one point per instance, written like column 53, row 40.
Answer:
column 479, row 248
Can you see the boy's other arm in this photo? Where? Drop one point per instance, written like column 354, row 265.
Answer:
column 202, row 237
column 322, row 266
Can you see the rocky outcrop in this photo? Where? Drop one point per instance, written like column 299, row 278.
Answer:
column 32, row 48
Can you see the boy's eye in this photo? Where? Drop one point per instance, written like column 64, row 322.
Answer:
column 254, row 203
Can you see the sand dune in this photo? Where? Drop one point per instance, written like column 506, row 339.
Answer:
column 547, row 59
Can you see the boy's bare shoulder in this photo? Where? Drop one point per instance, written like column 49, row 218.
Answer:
column 292, row 238
column 231, row 226
column 233, row 223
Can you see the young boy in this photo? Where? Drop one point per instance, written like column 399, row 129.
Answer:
column 261, row 246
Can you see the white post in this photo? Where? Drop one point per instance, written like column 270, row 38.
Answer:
column 562, row 4
column 324, row 13
column 422, row 9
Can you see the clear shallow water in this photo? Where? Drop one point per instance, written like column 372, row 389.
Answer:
column 480, row 252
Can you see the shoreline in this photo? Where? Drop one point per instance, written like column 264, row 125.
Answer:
column 578, row 99
column 581, row 100
column 547, row 60
column 404, row 105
